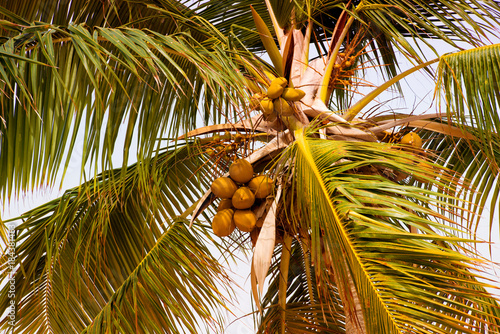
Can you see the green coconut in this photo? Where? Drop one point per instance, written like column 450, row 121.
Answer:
column 223, row 223
column 241, row 171
column 243, row 198
column 223, row 187
column 261, row 185
column 244, row 220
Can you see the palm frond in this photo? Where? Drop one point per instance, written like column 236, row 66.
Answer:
column 306, row 310
column 172, row 289
column 468, row 83
column 365, row 221
column 76, row 252
column 95, row 79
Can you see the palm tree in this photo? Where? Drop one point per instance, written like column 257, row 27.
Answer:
column 369, row 224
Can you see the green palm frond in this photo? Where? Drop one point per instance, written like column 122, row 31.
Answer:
column 77, row 251
column 468, row 87
column 172, row 289
column 95, row 79
column 365, row 222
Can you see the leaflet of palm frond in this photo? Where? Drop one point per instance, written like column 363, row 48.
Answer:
column 151, row 71
column 84, row 245
column 471, row 102
column 360, row 225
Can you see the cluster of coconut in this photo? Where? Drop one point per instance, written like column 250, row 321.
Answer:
column 238, row 193
column 279, row 100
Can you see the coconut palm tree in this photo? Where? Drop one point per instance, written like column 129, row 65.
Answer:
column 365, row 220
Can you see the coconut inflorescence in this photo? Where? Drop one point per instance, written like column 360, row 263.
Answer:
column 238, row 193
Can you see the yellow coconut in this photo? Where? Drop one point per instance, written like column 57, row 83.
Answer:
column 261, row 185
column 412, row 139
column 280, row 81
column 241, row 171
column 243, row 198
column 274, row 91
column 223, row 187
column 292, row 94
column 255, row 101
column 244, row 220
column 266, row 105
column 223, row 223
column 225, row 203
column 282, row 107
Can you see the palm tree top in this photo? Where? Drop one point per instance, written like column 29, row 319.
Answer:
column 367, row 213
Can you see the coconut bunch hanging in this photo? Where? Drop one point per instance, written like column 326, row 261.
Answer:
column 279, row 99
column 238, row 193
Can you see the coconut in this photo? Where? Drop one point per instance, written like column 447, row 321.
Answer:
column 241, row 171
column 243, row 198
column 292, row 94
column 266, row 105
column 225, row 203
column 274, row 91
column 280, row 81
column 261, row 185
column 223, row 223
column 244, row 220
column 223, row 187
column 282, row 107
column 412, row 139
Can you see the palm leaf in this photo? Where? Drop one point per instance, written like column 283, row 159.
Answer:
column 155, row 76
column 364, row 222
column 172, row 289
column 77, row 251
column 305, row 308
column 468, row 83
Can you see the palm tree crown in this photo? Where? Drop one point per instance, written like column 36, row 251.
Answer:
column 250, row 130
